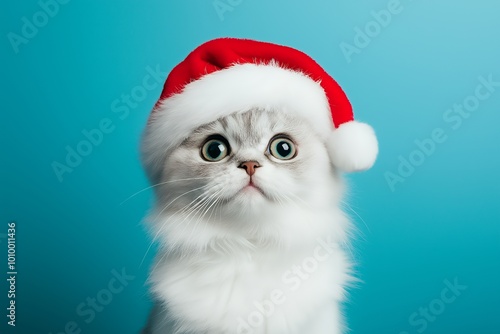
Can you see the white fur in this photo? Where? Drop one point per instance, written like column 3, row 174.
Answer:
column 215, row 291
column 216, row 265
column 353, row 146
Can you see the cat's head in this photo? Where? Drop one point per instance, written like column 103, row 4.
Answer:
column 293, row 123
column 245, row 173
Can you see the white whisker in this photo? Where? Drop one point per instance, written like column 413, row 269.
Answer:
column 159, row 184
column 161, row 228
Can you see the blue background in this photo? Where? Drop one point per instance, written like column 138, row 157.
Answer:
column 441, row 223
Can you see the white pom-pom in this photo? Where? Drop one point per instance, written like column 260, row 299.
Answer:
column 353, row 146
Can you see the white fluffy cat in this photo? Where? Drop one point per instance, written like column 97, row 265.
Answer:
column 251, row 232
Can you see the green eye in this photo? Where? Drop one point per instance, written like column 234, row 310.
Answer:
column 215, row 149
column 282, row 148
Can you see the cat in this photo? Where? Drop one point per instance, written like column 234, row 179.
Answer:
column 252, row 237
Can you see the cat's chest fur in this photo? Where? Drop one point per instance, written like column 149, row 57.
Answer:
column 270, row 290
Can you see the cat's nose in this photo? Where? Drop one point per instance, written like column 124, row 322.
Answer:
column 249, row 166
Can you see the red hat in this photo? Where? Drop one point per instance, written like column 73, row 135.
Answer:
column 230, row 75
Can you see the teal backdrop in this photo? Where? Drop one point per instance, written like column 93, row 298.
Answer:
column 79, row 79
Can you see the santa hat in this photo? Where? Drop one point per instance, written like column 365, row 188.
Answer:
column 229, row 75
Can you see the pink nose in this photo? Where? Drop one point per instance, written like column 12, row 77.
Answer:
column 249, row 166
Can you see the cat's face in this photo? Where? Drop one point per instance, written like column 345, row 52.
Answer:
column 246, row 165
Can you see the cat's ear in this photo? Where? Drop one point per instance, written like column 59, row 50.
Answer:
column 353, row 146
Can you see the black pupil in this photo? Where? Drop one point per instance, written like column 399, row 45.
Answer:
column 215, row 149
column 283, row 148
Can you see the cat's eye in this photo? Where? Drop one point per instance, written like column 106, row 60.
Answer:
column 282, row 148
column 215, row 149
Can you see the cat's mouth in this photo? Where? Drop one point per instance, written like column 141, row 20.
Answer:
column 251, row 188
